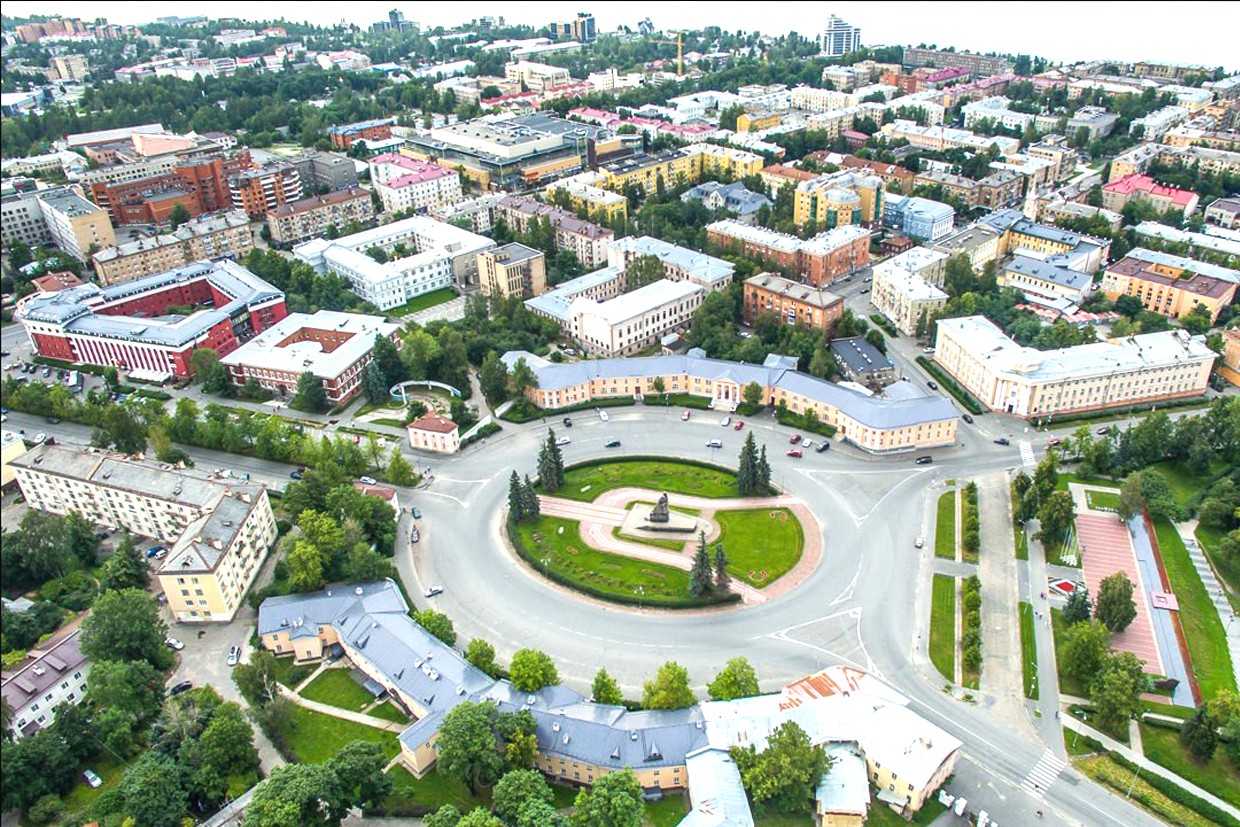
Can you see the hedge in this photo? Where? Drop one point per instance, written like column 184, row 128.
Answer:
column 682, row 400
column 962, row 396
column 746, row 409
column 483, row 432
column 514, row 537
column 795, row 420
column 159, row 396
column 1178, row 794
column 95, row 370
column 524, row 411
column 884, row 323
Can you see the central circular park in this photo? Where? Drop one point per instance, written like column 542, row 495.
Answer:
column 662, row 533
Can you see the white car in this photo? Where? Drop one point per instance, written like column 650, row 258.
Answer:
column 563, row 440
column 927, row 350
column 603, row 415
column 434, row 590
column 173, row 643
column 93, row 780
column 40, row 438
column 727, row 420
column 807, row 444
column 368, row 480
column 234, row 655
column 918, row 543
column 715, row 443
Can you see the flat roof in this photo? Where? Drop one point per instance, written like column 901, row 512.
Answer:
column 271, row 350
column 636, row 303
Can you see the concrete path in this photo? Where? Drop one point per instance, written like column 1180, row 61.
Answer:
column 1047, row 705
column 582, row 512
column 1231, row 623
column 345, row 714
column 1146, row 765
column 1002, row 675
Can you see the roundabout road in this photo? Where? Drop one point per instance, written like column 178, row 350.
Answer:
column 859, row 606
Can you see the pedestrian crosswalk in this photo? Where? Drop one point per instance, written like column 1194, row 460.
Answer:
column 1044, row 773
column 1026, row 453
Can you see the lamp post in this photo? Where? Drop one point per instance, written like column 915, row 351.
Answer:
column 545, row 561
column 641, row 592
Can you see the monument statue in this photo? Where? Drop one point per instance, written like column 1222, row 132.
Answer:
column 660, row 514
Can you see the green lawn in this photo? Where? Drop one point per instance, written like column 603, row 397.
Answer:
column 1228, row 568
column 316, row 737
column 1184, row 484
column 388, row 712
column 433, row 791
column 1102, row 500
column 760, row 540
column 610, row 574
column 1068, row 684
column 587, row 482
column 1219, row 775
column 943, row 626
column 435, row 297
column 1028, row 650
column 1077, row 744
column 1055, row 550
column 945, row 527
column 882, row 816
column 667, row 811
column 1207, row 640
column 82, row 797
column 387, row 421
column 1021, row 539
column 1104, row 770
column 337, row 688
column 289, row 674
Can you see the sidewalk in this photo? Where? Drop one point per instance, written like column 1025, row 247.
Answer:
column 1147, row 765
column 1002, row 672
column 344, row 714
column 1049, row 699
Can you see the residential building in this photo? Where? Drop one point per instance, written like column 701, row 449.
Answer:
column 1117, row 194
column 980, row 243
column 838, row 199
column 324, row 171
column 52, row 673
column 1170, row 285
column 581, row 28
column 342, row 137
column 21, row 216
column 821, row 259
column 1054, row 210
column 679, row 263
column 778, row 176
column 1216, row 239
column 632, row 322
column 434, row 433
column 405, row 183
column 1230, row 369
column 874, row 424
column 1225, row 212
column 584, row 239
column 69, row 67
column 918, row 218
column 894, row 176
column 311, row 217
column 1071, row 249
column 1095, row 120
column 1154, row 125
column 126, row 326
column 76, row 226
column 688, row 164
column 792, row 302
column 219, row 529
column 861, row 362
column 333, row 347
column 1043, row 278
column 55, row 282
column 444, row 255
column 478, row 212
column 758, row 120
column 1063, row 159
column 512, row 271
column 537, row 77
column 12, row 446
column 995, row 111
column 1133, row 370
column 813, row 99
column 1186, row 135
column 585, row 194
column 731, row 197
column 147, row 192
column 906, row 288
column 600, row 285
column 210, row 237
column 941, row 138
column 979, row 65
column 258, row 191
column 839, row 38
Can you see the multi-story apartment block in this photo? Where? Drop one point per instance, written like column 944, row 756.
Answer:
column 405, row 183
column 334, row 347
column 512, row 271
column 687, row 165
column 679, row 263
column 995, row 110
column 586, row 240
column 342, row 137
column 838, row 199
column 1044, row 281
column 821, row 259
column 70, row 67
column 1170, row 285
column 21, row 217
column 893, row 175
column 148, row 191
column 632, row 322
column 1021, row 381
column 978, row 242
column 537, row 77
column 1062, row 158
column 1186, row 135
column 1117, row 194
column 311, row 217
column 586, row 193
column 839, row 38
column 581, row 28
column 223, row 235
column 792, row 302
column 919, row 218
column 1096, row 122
column 51, row 674
column 778, row 176
column 73, row 224
column 1154, row 125
column 1224, row 212
column 220, row 529
column 125, row 326
column 979, row 65
column 258, row 191
column 906, row 288
column 862, row 362
column 940, row 138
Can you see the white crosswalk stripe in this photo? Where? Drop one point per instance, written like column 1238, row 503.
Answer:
column 1044, row 773
column 1026, row 453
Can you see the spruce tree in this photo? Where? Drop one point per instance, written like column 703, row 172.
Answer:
column 722, row 580
column 546, row 469
column 701, row 580
column 557, row 458
column 529, row 497
column 516, row 498
column 763, row 473
column 747, row 469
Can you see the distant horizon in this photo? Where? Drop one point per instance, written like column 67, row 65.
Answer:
column 1092, row 31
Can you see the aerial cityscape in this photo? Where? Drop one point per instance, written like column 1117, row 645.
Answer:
column 542, row 419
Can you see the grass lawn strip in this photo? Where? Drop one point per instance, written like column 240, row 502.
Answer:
column 336, row 687
column 943, row 626
column 388, row 712
column 1203, row 630
column 586, row 483
column 1102, row 500
column 1029, row 651
column 945, row 527
column 316, row 737
column 565, row 552
column 432, row 791
column 1218, row 776
column 1104, row 770
column 289, row 674
column 1068, row 684
column 1021, row 539
column 666, row 812
column 760, row 540
column 1226, row 569
column 422, row 302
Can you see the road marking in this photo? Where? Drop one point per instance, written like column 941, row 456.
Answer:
column 1043, row 774
column 1026, row 454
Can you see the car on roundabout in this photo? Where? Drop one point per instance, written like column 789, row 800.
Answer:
column 715, row 443
column 612, row 443
column 794, row 439
column 684, row 416
column 563, row 440
column 794, row 453
column 434, row 590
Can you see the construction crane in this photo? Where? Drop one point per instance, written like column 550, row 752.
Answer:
column 680, row 52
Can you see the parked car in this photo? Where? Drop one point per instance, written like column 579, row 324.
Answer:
column 715, row 443
column 434, row 590
column 39, row 438
column 568, row 422
column 603, row 415
column 864, row 290
column 153, row 550
column 183, row 686
column 415, row 535
column 1104, row 430
column 727, row 420
column 1055, row 443
column 823, row 446
column 53, row 420
column 795, row 439
column 564, row 440
column 927, row 350
column 793, row 452
column 1003, row 441
column 93, row 780
column 612, row 443
column 684, row 416
column 924, row 460
column 234, row 655
column 296, row 475
column 807, row 444
column 932, row 386
column 368, row 480
column 967, row 418
column 416, row 512
column 161, row 554
column 173, row 643
column 740, row 423
column 919, row 543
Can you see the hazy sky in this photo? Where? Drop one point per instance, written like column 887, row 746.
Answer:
column 1182, row 32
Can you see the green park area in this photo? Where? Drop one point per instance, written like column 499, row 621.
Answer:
column 762, row 544
column 315, row 737
column 1028, row 651
column 943, row 626
column 337, row 688
column 945, row 527
column 587, row 481
column 1218, row 775
column 1102, row 500
column 422, row 302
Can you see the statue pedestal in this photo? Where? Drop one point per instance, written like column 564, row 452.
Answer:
column 678, row 527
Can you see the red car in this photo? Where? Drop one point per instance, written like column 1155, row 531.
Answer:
column 739, row 425
column 793, row 452
column 1055, row 443
column 795, row 439
column 684, row 415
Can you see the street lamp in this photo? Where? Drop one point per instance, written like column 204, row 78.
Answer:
column 545, row 561
column 641, row 592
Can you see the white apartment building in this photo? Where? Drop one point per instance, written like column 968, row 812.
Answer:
column 634, row 321
column 679, row 263
column 1159, row 122
column 53, row 673
column 839, row 38
column 996, row 109
column 907, row 285
column 220, row 528
column 943, row 137
column 537, row 77
column 812, row 99
column 1021, row 381
column 405, row 183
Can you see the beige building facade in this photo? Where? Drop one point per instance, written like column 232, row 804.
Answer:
column 210, row 237
column 434, row 433
column 634, row 321
column 512, row 271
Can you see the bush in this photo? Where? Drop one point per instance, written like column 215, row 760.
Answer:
column 882, row 321
column 482, row 433
column 745, row 409
column 523, row 410
column 962, row 396
column 794, row 420
column 677, row 400
column 46, row 810
column 1177, row 793
column 159, row 396
column 75, row 591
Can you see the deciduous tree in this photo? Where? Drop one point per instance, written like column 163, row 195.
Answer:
column 737, row 679
column 785, row 775
column 615, row 800
column 531, row 670
column 1115, row 606
column 125, row 625
column 467, row 745
column 669, row 689
column 605, row 690
column 437, row 623
column 1085, row 649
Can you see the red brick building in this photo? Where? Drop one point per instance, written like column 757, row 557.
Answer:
column 342, row 137
column 198, row 182
column 792, row 302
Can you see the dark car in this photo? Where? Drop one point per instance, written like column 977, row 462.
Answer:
column 53, row 420
column 823, row 446
column 924, row 460
column 568, row 422
column 296, row 475
column 932, row 386
column 183, row 686
column 612, row 443
column 967, row 418
column 1003, row 441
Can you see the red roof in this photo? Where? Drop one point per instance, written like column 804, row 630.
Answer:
column 55, row 282
column 1143, row 183
column 433, row 422
column 381, row 491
